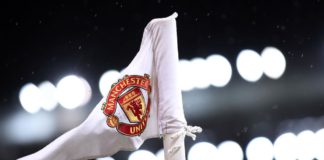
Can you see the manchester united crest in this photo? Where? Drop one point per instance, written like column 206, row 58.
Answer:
column 132, row 95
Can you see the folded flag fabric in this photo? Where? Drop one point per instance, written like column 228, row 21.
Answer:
column 146, row 102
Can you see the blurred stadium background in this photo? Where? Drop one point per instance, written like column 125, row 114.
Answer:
column 251, row 73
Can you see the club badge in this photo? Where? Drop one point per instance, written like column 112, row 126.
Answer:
column 132, row 95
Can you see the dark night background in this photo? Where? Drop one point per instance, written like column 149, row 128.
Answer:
column 46, row 40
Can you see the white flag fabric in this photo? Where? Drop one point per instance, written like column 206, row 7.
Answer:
column 145, row 103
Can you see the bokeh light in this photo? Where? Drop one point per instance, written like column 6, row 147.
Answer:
column 203, row 150
column 285, row 147
column 185, row 74
column 306, row 145
column 259, row 148
column 73, row 91
column 219, row 70
column 142, row 155
column 29, row 97
column 106, row 80
column 273, row 62
column 319, row 144
column 230, row 150
column 199, row 73
column 88, row 91
column 160, row 154
column 48, row 95
column 249, row 65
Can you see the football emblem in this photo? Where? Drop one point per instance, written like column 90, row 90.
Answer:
column 132, row 95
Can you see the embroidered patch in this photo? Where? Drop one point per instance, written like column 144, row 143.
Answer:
column 132, row 95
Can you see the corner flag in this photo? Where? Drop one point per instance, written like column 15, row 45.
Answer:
column 145, row 103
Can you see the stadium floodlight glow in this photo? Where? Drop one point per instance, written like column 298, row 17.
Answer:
column 29, row 97
column 249, row 65
column 160, row 154
column 142, row 155
column 106, row 158
column 185, row 78
column 319, row 145
column 24, row 128
column 230, row 150
column 203, row 150
column 199, row 73
column 259, row 148
column 285, row 147
column 106, row 80
column 306, row 145
column 48, row 95
column 273, row 62
column 219, row 70
column 73, row 91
